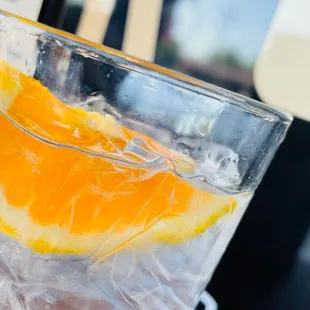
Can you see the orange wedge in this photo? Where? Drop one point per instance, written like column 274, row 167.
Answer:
column 56, row 198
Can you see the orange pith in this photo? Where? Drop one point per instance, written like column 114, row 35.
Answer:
column 74, row 202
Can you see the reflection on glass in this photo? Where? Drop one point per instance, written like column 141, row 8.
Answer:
column 215, row 40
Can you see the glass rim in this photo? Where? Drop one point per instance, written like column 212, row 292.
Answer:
column 174, row 78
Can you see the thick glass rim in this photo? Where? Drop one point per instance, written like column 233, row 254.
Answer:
column 133, row 64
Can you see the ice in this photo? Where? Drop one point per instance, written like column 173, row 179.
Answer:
column 149, row 279
column 220, row 165
column 216, row 163
column 155, row 277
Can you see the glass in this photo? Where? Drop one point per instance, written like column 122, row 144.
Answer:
column 121, row 182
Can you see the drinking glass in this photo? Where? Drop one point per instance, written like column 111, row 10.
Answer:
column 121, row 182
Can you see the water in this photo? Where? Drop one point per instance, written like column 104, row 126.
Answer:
column 152, row 273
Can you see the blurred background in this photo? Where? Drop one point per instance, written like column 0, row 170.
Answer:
column 216, row 41
column 267, row 264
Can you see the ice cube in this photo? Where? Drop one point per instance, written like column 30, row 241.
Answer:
column 219, row 165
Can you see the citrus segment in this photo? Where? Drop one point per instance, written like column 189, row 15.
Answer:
column 62, row 200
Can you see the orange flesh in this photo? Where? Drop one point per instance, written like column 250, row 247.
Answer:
column 68, row 188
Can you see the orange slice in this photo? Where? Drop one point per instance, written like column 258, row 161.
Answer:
column 57, row 199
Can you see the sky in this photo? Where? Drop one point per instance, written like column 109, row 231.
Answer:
column 202, row 27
